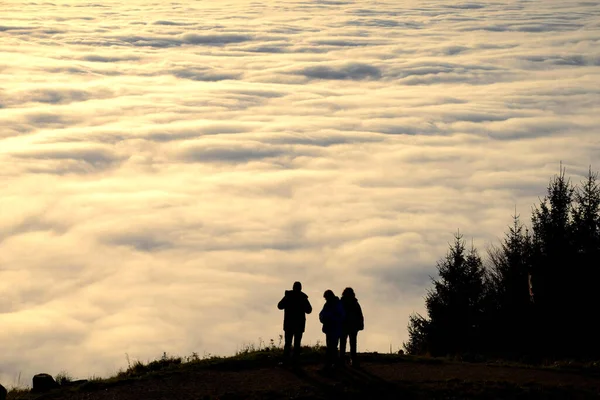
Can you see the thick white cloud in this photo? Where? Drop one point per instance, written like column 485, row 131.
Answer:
column 167, row 170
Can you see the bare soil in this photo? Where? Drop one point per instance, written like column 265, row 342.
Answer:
column 377, row 378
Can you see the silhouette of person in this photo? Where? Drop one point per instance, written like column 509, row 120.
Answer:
column 295, row 305
column 332, row 316
column 353, row 322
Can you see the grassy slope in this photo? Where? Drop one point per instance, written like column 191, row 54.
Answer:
column 255, row 374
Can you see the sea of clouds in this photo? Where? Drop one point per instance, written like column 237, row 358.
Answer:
column 168, row 169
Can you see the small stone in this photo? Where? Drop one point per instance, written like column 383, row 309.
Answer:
column 43, row 383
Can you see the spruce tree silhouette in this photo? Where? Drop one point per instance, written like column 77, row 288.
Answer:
column 586, row 232
column 554, row 272
column 539, row 295
column 454, row 306
column 508, row 307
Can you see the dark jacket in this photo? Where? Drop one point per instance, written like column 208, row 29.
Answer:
column 354, row 320
column 332, row 316
column 295, row 305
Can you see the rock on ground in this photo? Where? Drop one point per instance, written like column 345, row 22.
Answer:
column 43, row 383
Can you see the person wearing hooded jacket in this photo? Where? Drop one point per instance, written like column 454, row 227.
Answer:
column 295, row 305
column 332, row 316
column 353, row 323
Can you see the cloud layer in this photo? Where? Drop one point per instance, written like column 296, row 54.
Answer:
column 169, row 169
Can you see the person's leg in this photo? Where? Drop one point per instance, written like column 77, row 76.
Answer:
column 331, row 342
column 343, row 341
column 287, row 347
column 297, row 346
column 336, row 354
column 353, row 337
column 327, row 349
column 333, row 345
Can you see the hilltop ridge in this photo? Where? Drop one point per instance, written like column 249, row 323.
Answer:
column 258, row 376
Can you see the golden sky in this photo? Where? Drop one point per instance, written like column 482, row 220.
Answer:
column 168, row 169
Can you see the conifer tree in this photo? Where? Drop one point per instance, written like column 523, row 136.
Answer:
column 454, row 306
column 539, row 296
column 586, row 274
column 552, row 269
column 508, row 305
column 418, row 335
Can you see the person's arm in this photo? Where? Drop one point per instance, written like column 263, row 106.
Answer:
column 307, row 307
column 361, row 318
column 323, row 315
column 281, row 305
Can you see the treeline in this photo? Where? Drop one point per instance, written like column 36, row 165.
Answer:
column 536, row 294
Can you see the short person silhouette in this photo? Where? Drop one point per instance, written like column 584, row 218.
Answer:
column 332, row 317
column 295, row 305
column 353, row 322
